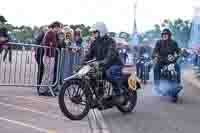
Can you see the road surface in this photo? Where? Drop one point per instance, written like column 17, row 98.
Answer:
column 22, row 111
column 155, row 115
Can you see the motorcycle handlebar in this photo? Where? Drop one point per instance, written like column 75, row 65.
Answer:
column 89, row 62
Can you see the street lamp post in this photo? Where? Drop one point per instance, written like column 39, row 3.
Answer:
column 135, row 39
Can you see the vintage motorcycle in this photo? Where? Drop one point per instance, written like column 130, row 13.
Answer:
column 89, row 89
column 169, row 85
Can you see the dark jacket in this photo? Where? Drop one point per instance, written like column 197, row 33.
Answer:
column 142, row 50
column 4, row 34
column 165, row 48
column 79, row 42
column 104, row 50
column 39, row 51
column 39, row 38
column 60, row 40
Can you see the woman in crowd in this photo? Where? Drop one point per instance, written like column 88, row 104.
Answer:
column 67, row 57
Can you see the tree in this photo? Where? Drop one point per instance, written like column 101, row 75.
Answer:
column 2, row 19
column 151, row 36
column 180, row 30
column 84, row 29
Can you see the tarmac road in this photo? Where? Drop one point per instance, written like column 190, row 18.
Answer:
column 155, row 115
column 22, row 111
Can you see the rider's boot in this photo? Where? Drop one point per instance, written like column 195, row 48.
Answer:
column 100, row 95
column 118, row 97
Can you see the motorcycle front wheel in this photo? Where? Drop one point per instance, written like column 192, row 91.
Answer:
column 72, row 95
column 130, row 103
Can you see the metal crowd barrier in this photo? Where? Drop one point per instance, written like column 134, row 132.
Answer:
column 21, row 68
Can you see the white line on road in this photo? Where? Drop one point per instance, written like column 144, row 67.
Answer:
column 97, row 122
column 31, row 110
column 25, row 125
column 102, row 124
column 37, row 100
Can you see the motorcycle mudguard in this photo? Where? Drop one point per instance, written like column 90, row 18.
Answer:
column 133, row 83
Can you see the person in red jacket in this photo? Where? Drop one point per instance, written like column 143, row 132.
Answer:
column 51, row 55
column 50, row 41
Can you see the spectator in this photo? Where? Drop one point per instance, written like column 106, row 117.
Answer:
column 78, row 43
column 4, row 38
column 68, row 58
column 50, row 41
column 40, row 54
column 123, row 54
column 61, row 45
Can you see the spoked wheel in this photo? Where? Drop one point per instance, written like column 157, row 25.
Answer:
column 130, row 103
column 74, row 100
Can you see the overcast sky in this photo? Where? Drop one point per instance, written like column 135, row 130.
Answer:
column 117, row 14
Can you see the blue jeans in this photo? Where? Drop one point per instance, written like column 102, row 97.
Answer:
column 139, row 69
column 157, row 72
column 114, row 75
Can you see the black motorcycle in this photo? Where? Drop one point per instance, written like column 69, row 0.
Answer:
column 143, row 66
column 169, row 85
column 88, row 89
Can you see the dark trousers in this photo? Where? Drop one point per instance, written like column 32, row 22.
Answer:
column 39, row 60
column 8, row 51
column 139, row 68
column 55, row 67
column 114, row 75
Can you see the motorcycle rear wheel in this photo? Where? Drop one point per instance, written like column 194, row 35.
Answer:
column 130, row 103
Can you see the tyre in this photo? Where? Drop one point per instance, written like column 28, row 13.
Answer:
column 130, row 104
column 77, row 99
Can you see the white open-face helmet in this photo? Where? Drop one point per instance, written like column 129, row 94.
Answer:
column 100, row 27
column 68, row 29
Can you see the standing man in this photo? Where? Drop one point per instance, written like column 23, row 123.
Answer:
column 50, row 41
column 40, row 54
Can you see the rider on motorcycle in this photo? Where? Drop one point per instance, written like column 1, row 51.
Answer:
column 104, row 50
column 165, row 47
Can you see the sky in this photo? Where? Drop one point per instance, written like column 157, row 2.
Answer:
column 117, row 14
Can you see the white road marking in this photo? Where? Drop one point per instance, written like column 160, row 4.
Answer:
column 43, row 100
column 92, row 122
column 38, row 100
column 104, row 128
column 25, row 125
column 31, row 110
column 97, row 122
